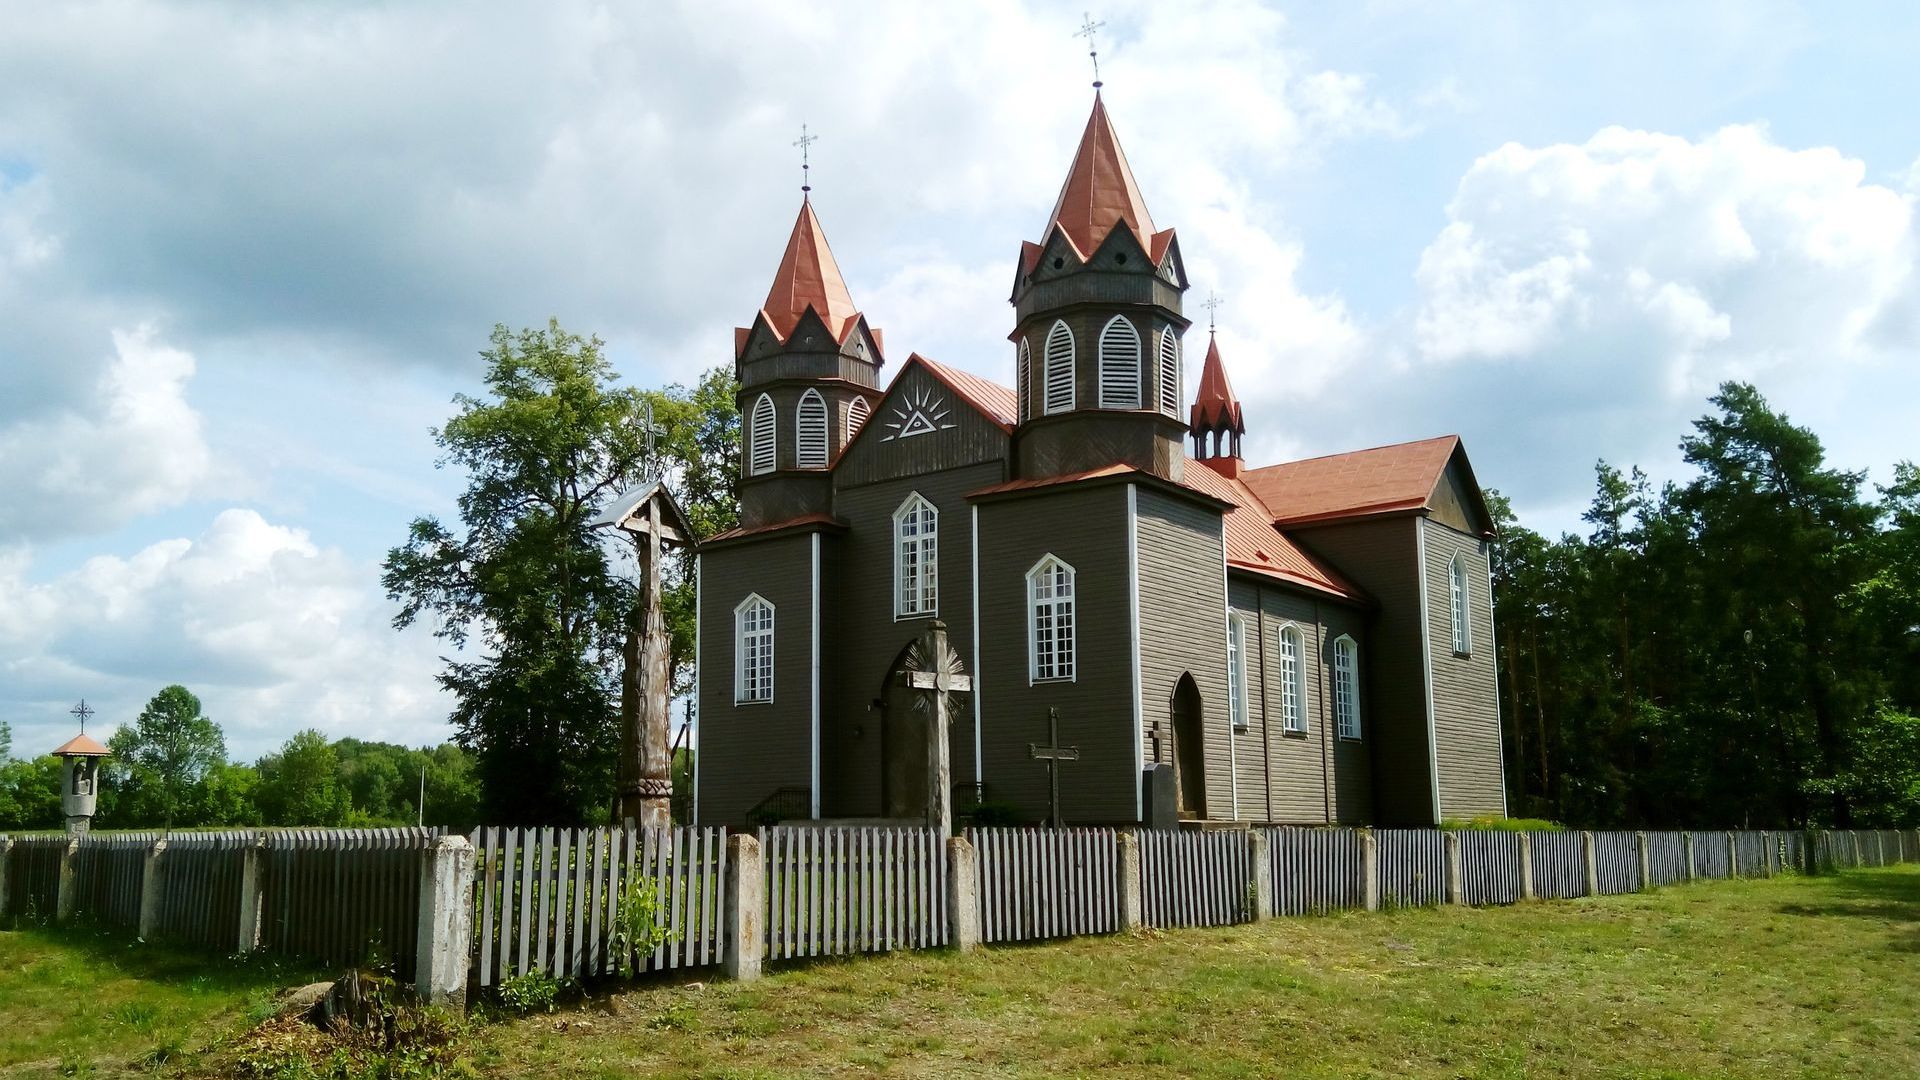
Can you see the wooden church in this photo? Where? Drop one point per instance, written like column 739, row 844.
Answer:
column 1307, row 642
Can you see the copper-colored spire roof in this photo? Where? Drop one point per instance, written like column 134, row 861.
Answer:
column 1099, row 192
column 809, row 278
column 1214, row 404
column 82, row 745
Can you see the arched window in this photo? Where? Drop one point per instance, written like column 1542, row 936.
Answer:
column 1050, row 626
column 1462, row 618
column 753, row 651
column 1346, row 687
column 857, row 414
column 1023, row 381
column 1237, row 669
column 760, row 438
column 1170, row 388
column 916, row 565
column 1293, row 679
column 1119, row 365
column 1059, row 363
column 810, row 432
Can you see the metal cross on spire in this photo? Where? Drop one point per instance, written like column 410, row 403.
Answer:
column 1087, row 29
column 803, row 142
column 1212, row 305
column 84, row 712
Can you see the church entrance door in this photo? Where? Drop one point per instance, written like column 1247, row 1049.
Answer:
column 1189, row 749
column 903, row 746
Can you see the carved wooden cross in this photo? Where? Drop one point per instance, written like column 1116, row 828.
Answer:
column 938, row 676
column 1053, row 754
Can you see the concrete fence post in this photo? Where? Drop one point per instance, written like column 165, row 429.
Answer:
column 69, row 887
column 1370, row 869
column 252, row 895
column 1526, row 867
column 441, row 955
column 1733, row 854
column 1646, row 860
column 151, row 885
column 745, row 925
column 1260, row 869
column 1126, row 867
column 1686, row 845
column 1810, row 852
column 963, row 895
column 6, row 874
column 1456, row 879
column 1590, row 860
column 1854, row 835
column 1766, row 853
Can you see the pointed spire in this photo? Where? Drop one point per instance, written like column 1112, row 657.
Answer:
column 809, row 278
column 1215, row 406
column 1099, row 192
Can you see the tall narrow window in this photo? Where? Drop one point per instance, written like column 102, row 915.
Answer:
column 1170, row 388
column 760, row 438
column 1050, row 627
column 1346, row 687
column 1457, row 588
column 1023, row 381
column 1119, row 365
column 1293, row 680
column 1237, row 669
column 753, row 651
column 916, row 563
column 1059, row 364
column 810, row 432
column 857, row 414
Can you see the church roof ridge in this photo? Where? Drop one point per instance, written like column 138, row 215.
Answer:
column 1357, row 483
column 996, row 402
column 809, row 278
column 1100, row 193
column 1214, row 403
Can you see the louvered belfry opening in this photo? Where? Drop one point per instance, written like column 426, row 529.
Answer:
column 1096, row 342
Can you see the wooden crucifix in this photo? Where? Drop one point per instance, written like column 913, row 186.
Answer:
column 1053, row 754
column 935, row 670
column 651, row 516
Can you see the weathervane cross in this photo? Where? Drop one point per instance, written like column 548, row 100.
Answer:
column 1212, row 305
column 84, row 712
column 803, row 142
column 1087, row 29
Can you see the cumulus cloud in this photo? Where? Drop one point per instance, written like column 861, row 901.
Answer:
column 272, row 630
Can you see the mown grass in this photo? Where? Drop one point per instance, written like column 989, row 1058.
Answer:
column 1788, row 977
column 84, row 1002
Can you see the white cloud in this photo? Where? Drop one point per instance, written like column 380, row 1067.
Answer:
column 273, row 631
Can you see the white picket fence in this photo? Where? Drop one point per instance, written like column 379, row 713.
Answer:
column 1194, row 879
column 832, row 891
column 1046, row 883
column 1490, row 867
column 1316, row 870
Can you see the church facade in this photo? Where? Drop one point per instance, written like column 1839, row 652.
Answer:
column 1302, row 643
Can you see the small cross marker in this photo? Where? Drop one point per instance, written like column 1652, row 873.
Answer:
column 85, row 712
column 1053, row 754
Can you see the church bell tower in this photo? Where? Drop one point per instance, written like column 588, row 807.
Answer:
column 1098, row 327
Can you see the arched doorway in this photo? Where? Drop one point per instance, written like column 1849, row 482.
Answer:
column 1189, row 749
column 903, row 744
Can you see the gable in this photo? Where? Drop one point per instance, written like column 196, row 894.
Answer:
column 1456, row 500
column 922, row 424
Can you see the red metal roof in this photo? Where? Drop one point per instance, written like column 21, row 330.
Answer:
column 1255, row 545
column 1214, row 403
column 997, row 403
column 1099, row 194
column 82, row 745
column 1383, row 480
column 808, row 278
column 776, row 526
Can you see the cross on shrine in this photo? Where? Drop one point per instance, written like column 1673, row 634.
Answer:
column 84, row 712
column 1053, row 754
column 648, row 427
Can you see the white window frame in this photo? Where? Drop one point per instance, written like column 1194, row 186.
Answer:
column 1459, row 605
column 916, row 559
column 1346, row 686
column 810, row 431
column 762, row 428
column 1237, row 669
column 1171, row 392
column 1064, row 643
column 753, row 686
column 1023, row 378
column 1119, row 364
column 1057, row 391
column 858, row 412
column 1292, row 643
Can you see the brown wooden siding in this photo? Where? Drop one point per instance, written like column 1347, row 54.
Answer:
column 875, row 455
column 747, row 751
column 1450, row 502
column 1085, row 527
column 1183, row 630
column 1465, row 701
column 1382, row 556
column 1352, row 758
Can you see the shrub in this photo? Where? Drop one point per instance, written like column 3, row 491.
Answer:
column 529, row 992
column 1505, row 824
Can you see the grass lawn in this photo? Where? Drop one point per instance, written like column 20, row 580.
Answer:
column 78, row 1002
column 1788, row 977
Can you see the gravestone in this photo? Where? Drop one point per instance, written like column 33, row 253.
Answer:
column 1160, row 796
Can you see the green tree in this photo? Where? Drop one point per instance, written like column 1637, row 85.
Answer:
column 168, row 748
column 526, row 581
column 300, row 785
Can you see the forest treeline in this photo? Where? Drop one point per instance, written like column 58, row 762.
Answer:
column 1742, row 649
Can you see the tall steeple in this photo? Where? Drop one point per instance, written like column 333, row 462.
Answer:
column 808, row 370
column 1098, row 324
column 1216, row 412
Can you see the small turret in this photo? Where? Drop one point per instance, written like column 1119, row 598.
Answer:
column 1216, row 419
column 80, row 780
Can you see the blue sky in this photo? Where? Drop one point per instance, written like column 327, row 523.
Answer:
column 248, row 254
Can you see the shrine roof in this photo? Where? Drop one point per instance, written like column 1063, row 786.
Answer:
column 82, row 745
